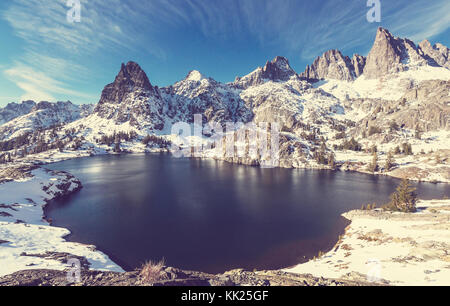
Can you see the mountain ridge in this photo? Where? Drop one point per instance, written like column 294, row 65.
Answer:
column 319, row 121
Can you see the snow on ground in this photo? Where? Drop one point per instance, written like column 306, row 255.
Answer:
column 403, row 249
column 391, row 87
column 23, row 229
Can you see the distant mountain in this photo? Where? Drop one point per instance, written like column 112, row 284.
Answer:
column 277, row 70
column 42, row 115
column 333, row 65
column 14, row 110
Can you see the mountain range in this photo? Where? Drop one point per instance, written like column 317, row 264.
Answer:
column 384, row 99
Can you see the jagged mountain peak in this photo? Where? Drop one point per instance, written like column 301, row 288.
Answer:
column 385, row 56
column 131, row 98
column 130, row 78
column 334, row 65
column 280, row 62
column 51, row 105
column 437, row 54
column 277, row 70
column 391, row 54
column 14, row 110
column 132, row 74
column 383, row 33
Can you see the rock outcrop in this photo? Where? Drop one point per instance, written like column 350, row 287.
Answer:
column 388, row 55
column 131, row 77
column 358, row 62
column 132, row 98
column 391, row 54
column 277, row 70
column 333, row 65
column 437, row 54
column 14, row 110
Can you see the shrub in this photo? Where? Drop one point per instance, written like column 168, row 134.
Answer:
column 151, row 271
column 351, row 144
column 393, row 126
column 438, row 158
column 340, row 135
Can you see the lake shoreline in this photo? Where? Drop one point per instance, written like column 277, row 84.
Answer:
column 394, row 248
column 61, row 266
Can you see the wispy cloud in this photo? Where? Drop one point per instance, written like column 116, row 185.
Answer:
column 420, row 20
column 38, row 85
column 56, row 50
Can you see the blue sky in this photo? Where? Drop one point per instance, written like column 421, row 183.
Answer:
column 44, row 57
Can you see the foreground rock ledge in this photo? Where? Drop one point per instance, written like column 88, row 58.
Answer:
column 173, row 277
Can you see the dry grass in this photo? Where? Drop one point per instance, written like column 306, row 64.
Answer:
column 151, row 271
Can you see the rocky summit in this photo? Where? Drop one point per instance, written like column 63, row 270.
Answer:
column 391, row 54
column 437, row 54
column 276, row 70
column 333, row 65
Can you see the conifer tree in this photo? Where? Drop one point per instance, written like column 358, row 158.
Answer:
column 405, row 198
column 332, row 161
column 389, row 161
column 373, row 166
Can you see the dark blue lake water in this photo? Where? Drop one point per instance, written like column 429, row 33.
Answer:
column 210, row 215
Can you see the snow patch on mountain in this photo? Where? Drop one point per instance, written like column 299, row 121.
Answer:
column 390, row 87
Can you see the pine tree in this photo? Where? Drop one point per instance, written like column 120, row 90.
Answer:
column 407, row 149
column 373, row 166
column 389, row 162
column 405, row 198
column 418, row 133
column 117, row 147
column 332, row 161
column 373, row 149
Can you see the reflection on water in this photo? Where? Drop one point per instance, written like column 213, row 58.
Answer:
column 209, row 215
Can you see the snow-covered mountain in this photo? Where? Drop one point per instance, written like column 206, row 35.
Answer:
column 333, row 65
column 337, row 104
column 14, row 110
column 389, row 55
column 31, row 116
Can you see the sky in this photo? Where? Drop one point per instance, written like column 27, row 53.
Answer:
column 43, row 56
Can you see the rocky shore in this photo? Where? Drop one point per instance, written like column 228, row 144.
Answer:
column 173, row 277
column 27, row 241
